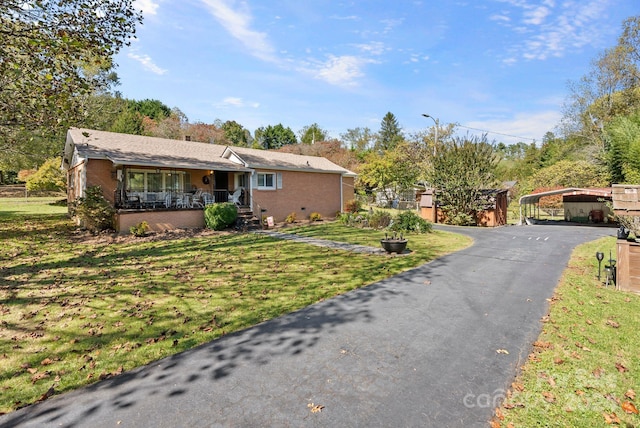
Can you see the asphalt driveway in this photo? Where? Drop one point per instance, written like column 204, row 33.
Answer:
column 418, row 349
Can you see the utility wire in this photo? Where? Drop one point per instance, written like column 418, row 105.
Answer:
column 497, row 133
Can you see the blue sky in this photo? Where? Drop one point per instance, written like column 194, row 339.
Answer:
column 494, row 65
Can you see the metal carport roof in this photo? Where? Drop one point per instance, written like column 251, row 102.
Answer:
column 534, row 198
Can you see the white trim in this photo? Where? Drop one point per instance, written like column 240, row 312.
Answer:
column 274, row 180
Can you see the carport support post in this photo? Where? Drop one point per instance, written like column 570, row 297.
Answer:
column 520, row 223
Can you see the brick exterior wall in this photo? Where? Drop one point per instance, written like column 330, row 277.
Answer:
column 99, row 173
column 160, row 221
column 348, row 191
column 303, row 193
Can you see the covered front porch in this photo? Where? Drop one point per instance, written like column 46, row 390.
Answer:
column 140, row 188
column 174, row 198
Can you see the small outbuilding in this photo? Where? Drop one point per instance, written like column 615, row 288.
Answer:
column 494, row 212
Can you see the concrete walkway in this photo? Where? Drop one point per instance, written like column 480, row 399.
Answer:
column 417, row 349
column 322, row 242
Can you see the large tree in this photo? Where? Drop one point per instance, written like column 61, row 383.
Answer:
column 623, row 157
column 394, row 171
column 235, row 134
column 274, row 137
column 390, row 133
column 359, row 140
column 54, row 53
column 461, row 169
column 311, row 134
column 154, row 109
column 608, row 90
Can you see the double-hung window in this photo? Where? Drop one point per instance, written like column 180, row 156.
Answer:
column 266, row 181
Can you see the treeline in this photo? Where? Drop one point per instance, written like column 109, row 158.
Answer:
column 596, row 144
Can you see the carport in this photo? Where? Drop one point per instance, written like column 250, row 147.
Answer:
column 530, row 207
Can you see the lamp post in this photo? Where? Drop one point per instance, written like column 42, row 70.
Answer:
column 435, row 140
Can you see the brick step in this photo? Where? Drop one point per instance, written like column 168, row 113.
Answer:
column 246, row 220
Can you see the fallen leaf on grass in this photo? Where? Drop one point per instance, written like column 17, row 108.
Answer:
column 549, row 397
column 629, row 407
column 630, row 394
column 542, row 344
column 493, row 423
column 46, row 362
column 611, row 418
column 47, row 394
column 39, row 376
column 315, row 408
column 613, row 324
column 517, row 386
column 621, row 368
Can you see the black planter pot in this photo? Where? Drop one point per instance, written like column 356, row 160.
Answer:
column 623, row 232
column 394, row 245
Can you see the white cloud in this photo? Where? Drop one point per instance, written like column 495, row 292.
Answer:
column 374, row 48
column 503, row 18
column 346, row 18
column 238, row 23
column 148, row 7
column 536, row 16
column 236, row 102
column 341, row 70
column 552, row 29
column 147, row 63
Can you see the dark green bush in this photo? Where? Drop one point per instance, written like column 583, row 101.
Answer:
column 220, row 216
column 93, row 211
column 409, row 221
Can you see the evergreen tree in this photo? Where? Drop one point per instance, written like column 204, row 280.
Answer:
column 390, row 133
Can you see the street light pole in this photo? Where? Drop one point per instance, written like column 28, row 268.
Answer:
column 435, row 140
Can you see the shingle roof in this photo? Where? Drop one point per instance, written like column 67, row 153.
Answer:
column 265, row 159
column 125, row 149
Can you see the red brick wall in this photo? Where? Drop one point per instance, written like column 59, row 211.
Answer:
column 348, row 191
column 99, row 173
column 74, row 182
column 160, row 221
column 312, row 191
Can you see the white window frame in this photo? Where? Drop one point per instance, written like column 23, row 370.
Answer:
column 264, row 180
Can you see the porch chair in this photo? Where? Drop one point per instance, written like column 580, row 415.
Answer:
column 180, row 201
column 167, row 200
column 235, row 196
column 197, row 201
column 132, row 200
column 207, row 199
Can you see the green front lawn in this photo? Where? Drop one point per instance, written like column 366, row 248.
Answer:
column 73, row 312
column 584, row 370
